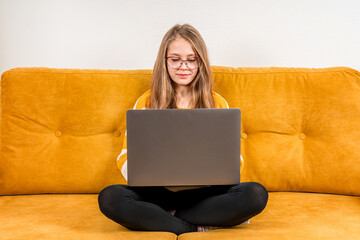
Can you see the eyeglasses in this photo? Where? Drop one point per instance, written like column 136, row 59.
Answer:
column 176, row 63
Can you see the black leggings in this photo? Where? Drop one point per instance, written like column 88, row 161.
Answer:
column 146, row 208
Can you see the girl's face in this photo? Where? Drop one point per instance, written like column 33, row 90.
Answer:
column 180, row 49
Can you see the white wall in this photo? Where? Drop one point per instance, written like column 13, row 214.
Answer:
column 126, row 34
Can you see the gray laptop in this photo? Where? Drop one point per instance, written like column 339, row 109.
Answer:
column 183, row 147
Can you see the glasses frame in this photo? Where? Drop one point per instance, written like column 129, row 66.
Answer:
column 186, row 63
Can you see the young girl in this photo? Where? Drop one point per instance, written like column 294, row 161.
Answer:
column 181, row 79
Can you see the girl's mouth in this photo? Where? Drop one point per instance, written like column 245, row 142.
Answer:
column 183, row 75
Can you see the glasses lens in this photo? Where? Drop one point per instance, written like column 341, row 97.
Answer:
column 174, row 62
column 191, row 63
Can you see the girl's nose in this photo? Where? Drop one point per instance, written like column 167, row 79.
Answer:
column 183, row 65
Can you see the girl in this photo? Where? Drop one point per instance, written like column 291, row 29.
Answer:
column 181, row 79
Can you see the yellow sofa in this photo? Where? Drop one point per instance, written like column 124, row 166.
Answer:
column 62, row 130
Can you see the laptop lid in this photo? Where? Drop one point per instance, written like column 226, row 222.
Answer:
column 183, row 147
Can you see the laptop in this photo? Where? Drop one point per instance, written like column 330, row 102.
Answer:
column 183, row 147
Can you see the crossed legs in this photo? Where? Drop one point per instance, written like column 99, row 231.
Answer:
column 147, row 208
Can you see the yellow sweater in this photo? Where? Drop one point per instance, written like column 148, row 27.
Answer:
column 141, row 103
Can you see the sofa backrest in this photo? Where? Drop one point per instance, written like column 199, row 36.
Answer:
column 62, row 129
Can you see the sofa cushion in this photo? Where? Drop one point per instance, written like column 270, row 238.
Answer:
column 296, row 216
column 300, row 126
column 77, row 216
column 68, row 216
column 62, row 129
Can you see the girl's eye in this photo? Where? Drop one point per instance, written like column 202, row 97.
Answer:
column 191, row 60
column 174, row 59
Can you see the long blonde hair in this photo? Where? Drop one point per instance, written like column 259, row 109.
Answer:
column 162, row 87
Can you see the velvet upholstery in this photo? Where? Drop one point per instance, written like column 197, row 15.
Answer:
column 295, row 216
column 62, row 216
column 62, row 130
